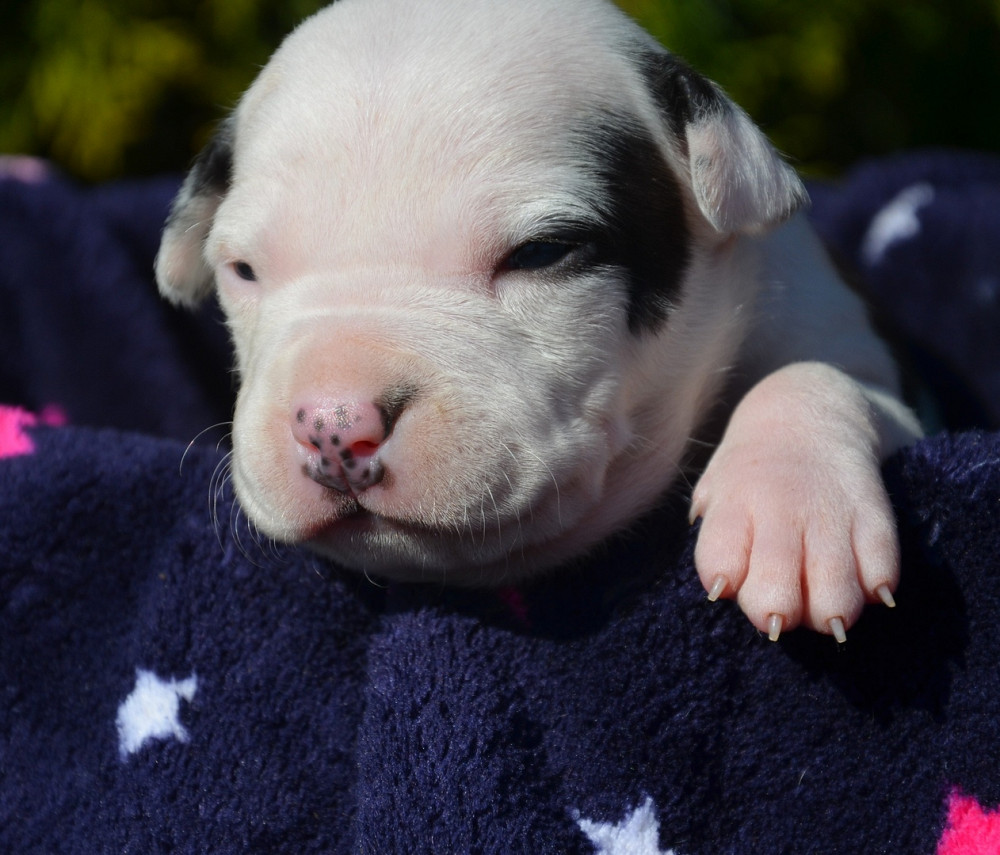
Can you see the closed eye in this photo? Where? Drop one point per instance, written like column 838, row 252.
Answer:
column 244, row 271
column 537, row 254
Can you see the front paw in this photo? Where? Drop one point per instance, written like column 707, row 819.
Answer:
column 796, row 523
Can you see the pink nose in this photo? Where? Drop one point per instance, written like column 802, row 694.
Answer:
column 341, row 443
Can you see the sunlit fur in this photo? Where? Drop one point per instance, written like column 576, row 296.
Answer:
column 384, row 164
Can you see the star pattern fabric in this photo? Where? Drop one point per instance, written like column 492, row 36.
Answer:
column 637, row 834
column 285, row 706
column 152, row 711
column 971, row 830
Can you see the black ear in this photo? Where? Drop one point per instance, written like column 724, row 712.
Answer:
column 181, row 271
column 741, row 184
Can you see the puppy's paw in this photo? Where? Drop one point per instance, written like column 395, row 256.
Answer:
column 796, row 522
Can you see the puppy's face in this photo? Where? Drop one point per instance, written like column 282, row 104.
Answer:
column 479, row 268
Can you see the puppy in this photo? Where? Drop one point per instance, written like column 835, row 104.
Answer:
column 489, row 269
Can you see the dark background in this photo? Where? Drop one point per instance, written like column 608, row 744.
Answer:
column 110, row 88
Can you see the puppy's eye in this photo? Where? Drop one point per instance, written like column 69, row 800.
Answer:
column 537, row 254
column 244, row 271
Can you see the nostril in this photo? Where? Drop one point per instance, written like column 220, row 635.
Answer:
column 312, row 443
column 363, row 448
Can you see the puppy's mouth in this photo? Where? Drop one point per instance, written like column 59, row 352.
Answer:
column 355, row 519
column 351, row 516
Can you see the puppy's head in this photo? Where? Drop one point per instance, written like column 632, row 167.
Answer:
column 481, row 266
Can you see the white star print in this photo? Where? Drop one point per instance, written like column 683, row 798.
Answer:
column 152, row 711
column 897, row 221
column 637, row 834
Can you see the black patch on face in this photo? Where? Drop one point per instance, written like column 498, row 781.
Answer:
column 682, row 94
column 646, row 233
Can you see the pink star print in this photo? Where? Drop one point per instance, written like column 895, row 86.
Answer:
column 971, row 830
column 14, row 424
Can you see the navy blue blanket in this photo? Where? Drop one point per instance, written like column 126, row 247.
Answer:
column 170, row 684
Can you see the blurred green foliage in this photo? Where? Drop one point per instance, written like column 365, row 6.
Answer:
column 836, row 81
column 128, row 87
column 113, row 87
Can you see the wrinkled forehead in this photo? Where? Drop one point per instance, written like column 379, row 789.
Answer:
column 460, row 119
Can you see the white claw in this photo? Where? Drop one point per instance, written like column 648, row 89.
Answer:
column 837, row 628
column 775, row 623
column 885, row 595
column 717, row 588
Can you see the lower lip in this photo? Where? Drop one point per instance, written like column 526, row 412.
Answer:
column 362, row 522
column 357, row 521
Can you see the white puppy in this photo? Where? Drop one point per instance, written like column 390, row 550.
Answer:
column 490, row 268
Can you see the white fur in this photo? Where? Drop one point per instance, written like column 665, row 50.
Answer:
column 386, row 161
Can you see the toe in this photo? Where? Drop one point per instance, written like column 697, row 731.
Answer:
column 831, row 585
column 722, row 553
column 876, row 554
column 773, row 585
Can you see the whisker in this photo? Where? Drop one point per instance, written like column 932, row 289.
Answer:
column 683, row 467
column 496, row 507
column 260, row 548
column 531, row 510
column 555, row 484
column 374, row 582
column 519, row 540
column 200, row 434
column 220, row 479
column 236, row 515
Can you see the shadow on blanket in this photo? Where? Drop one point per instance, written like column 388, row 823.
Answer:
column 170, row 684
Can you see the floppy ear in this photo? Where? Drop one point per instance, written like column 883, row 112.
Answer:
column 181, row 271
column 740, row 182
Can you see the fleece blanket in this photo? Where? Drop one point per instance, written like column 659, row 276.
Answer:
column 168, row 683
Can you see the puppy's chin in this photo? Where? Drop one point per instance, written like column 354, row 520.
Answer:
column 368, row 535
column 407, row 552
column 480, row 553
